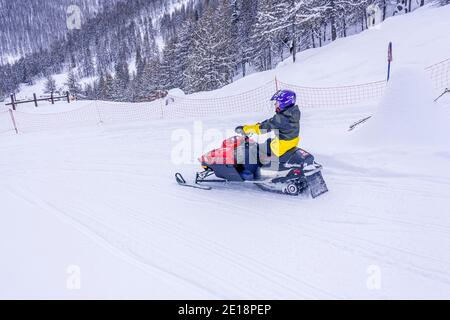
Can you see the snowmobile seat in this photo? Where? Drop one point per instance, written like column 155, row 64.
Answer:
column 298, row 157
column 295, row 157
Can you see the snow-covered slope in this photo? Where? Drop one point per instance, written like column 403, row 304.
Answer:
column 113, row 188
column 409, row 109
column 103, row 199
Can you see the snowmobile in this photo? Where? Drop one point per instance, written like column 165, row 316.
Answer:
column 239, row 160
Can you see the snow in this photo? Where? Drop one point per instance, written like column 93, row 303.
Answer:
column 26, row 91
column 176, row 93
column 386, row 208
column 9, row 58
column 104, row 199
column 407, row 115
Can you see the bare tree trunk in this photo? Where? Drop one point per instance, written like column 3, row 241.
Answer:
column 294, row 37
column 366, row 25
column 333, row 29
column 320, row 36
column 333, row 21
column 344, row 24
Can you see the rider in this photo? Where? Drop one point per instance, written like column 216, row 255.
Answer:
column 285, row 124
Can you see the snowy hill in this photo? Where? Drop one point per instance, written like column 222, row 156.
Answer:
column 361, row 58
column 334, row 65
column 29, row 25
column 94, row 212
column 135, row 48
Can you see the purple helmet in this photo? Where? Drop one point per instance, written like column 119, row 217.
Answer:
column 285, row 98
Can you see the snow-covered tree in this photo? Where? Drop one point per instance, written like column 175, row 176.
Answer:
column 50, row 84
column 205, row 43
column 244, row 15
column 73, row 84
column 122, row 81
column 210, row 62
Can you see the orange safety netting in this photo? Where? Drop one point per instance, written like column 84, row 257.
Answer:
column 440, row 74
column 255, row 100
column 28, row 122
column 116, row 112
column 174, row 107
column 337, row 96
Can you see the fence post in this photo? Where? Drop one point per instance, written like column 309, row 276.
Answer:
column 51, row 97
column 11, row 113
column 67, row 96
column 12, row 102
column 35, row 100
column 276, row 84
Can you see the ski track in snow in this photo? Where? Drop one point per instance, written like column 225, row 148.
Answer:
column 117, row 184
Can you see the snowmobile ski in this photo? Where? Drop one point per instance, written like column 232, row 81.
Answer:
column 182, row 182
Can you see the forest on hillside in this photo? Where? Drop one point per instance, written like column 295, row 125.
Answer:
column 135, row 48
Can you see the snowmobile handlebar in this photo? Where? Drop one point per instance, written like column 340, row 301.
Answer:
column 240, row 131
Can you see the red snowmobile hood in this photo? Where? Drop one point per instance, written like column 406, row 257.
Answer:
column 224, row 154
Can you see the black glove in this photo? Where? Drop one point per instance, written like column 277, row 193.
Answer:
column 240, row 130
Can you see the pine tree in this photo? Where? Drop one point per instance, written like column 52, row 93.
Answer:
column 210, row 63
column 182, row 48
column 171, row 76
column 73, row 84
column 88, row 69
column 266, row 31
column 244, row 14
column 122, row 81
column 150, row 79
column 109, row 90
column 50, row 84
column 101, row 88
